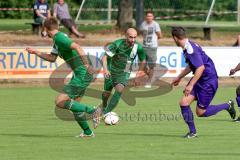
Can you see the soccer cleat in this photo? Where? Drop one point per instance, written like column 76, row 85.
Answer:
column 96, row 117
column 237, row 120
column 231, row 109
column 190, row 135
column 83, row 135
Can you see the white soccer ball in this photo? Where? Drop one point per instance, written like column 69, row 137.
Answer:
column 111, row 118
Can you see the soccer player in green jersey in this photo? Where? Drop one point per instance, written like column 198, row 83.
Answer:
column 75, row 57
column 117, row 65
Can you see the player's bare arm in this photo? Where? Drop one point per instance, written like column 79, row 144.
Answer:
column 197, row 75
column 176, row 81
column 105, row 69
column 45, row 56
column 83, row 56
column 233, row 71
column 81, row 53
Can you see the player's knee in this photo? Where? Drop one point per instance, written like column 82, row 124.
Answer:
column 183, row 102
column 106, row 94
column 60, row 101
column 119, row 87
column 200, row 112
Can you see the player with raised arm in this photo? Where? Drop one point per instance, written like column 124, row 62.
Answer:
column 75, row 57
column 232, row 72
column 117, row 64
column 202, row 86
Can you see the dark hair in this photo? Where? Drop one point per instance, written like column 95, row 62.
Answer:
column 51, row 23
column 149, row 12
column 179, row 32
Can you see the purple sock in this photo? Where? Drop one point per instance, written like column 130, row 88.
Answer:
column 214, row 109
column 238, row 102
column 188, row 118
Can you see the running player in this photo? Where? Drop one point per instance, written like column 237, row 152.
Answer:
column 232, row 72
column 117, row 65
column 75, row 57
column 202, row 86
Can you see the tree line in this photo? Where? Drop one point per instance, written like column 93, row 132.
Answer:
column 165, row 7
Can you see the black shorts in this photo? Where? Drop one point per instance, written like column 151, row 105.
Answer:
column 68, row 23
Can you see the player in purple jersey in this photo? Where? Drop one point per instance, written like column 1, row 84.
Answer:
column 232, row 72
column 201, row 87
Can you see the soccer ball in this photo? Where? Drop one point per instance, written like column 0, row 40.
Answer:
column 111, row 118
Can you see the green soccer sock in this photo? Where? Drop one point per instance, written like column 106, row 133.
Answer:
column 74, row 106
column 105, row 97
column 113, row 102
column 83, row 124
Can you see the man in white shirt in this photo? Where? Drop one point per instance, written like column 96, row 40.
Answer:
column 151, row 33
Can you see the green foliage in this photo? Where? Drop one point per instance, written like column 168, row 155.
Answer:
column 160, row 7
column 189, row 7
column 25, row 4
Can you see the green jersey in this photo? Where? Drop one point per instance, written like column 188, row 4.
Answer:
column 121, row 56
column 62, row 48
column 81, row 78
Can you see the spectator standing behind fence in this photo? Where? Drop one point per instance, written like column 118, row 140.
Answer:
column 41, row 11
column 60, row 10
column 151, row 33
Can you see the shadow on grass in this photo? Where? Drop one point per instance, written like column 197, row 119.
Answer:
column 101, row 133
column 105, row 133
column 181, row 136
column 140, row 134
column 33, row 135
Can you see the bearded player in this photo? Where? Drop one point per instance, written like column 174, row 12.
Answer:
column 117, row 64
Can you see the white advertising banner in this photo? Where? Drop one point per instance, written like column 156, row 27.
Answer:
column 15, row 62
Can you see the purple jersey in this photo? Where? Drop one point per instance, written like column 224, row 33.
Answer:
column 196, row 57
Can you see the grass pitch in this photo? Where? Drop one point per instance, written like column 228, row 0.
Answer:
column 30, row 130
